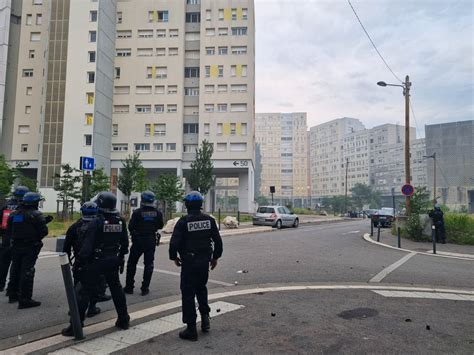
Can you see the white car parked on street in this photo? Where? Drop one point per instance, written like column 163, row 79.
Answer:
column 275, row 216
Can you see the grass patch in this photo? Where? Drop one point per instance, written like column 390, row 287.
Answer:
column 459, row 228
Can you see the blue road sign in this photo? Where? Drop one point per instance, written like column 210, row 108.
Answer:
column 87, row 163
column 408, row 190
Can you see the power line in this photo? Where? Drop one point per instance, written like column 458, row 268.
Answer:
column 373, row 44
column 413, row 114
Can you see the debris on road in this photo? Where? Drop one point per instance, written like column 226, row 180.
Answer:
column 243, row 272
column 236, row 283
column 428, row 327
column 408, row 320
column 273, row 314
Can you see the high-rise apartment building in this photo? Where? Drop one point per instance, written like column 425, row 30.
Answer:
column 282, row 142
column 106, row 78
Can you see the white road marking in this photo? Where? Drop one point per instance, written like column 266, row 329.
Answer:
column 384, row 273
column 98, row 327
column 351, row 232
column 47, row 255
column 222, row 283
column 468, row 256
column 121, row 339
column 430, row 295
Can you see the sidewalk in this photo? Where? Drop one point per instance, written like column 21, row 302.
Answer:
column 386, row 238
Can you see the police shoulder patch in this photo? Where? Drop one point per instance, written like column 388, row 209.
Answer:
column 18, row 218
column 149, row 214
column 112, row 228
column 199, row 226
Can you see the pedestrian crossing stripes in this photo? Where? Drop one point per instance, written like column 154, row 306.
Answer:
column 430, row 295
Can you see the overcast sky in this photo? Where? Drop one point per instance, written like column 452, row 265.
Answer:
column 313, row 56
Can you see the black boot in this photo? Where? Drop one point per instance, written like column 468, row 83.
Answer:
column 190, row 333
column 93, row 311
column 104, row 298
column 123, row 323
column 205, row 323
column 128, row 290
column 28, row 304
column 145, row 291
column 12, row 299
column 2, row 288
column 68, row 332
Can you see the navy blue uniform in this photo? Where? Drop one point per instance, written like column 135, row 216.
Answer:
column 5, row 245
column 26, row 227
column 143, row 226
column 197, row 240
column 438, row 221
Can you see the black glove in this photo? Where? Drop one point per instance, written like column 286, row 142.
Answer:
column 122, row 264
column 49, row 219
column 158, row 237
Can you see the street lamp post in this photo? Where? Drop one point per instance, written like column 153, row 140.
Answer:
column 433, row 156
column 406, row 92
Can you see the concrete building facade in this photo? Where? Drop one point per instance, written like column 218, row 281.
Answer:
column 108, row 78
column 282, row 141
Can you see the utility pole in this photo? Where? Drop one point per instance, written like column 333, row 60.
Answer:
column 345, row 185
column 406, row 93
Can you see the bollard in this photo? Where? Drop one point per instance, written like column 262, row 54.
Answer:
column 238, row 218
column 433, row 238
column 399, row 237
column 71, row 297
column 219, row 217
column 371, row 228
column 378, row 232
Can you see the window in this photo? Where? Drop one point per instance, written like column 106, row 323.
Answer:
column 191, row 91
column 124, row 34
column 89, row 119
column 159, row 129
column 31, row 54
column 238, row 70
column 192, row 36
column 24, row 148
column 23, row 129
column 142, row 108
column 172, row 51
column 222, row 88
column 121, row 90
column 208, row 71
column 193, row 2
column 142, row 147
column 234, row 14
column 210, row 32
column 223, row 50
column 93, row 16
column 172, row 108
column 208, row 14
column 238, row 88
column 223, row 31
column 206, row 129
column 124, row 52
column 39, row 19
column 29, row 91
column 209, row 107
column 245, row 14
column 157, row 147
column 174, row 32
column 238, row 107
column 171, row 147
column 37, row 2
column 219, row 129
column 221, row 71
column 191, row 72
column 90, row 98
column 29, row 19
column 119, row 17
column 161, row 33
column 35, row 36
column 221, row 14
column 239, row 50
column 243, row 129
column 221, row 147
column 221, row 107
column 159, row 89
column 147, row 130
column 120, row 147
column 117, row 72
column 239, row 31
column 209, row 89
column 193, row 17
column 160, row 52
column 210, row 51
column 190, row 148
column 238, row 147
column 161, row 72
column 145, row 33
column 27, row 73
column 115, row 130
column 143, row 90
column 159, row 108
column 91, row 57
column 145, row 52
column 172, row 89
column 90, row 77
column 121, row 109
column 162, row 16
column 233, row 129
column 87, row 139
column 190, row 128
column 191, row 110
column 92, row 36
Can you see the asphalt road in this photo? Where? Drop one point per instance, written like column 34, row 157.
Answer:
column 330, row 254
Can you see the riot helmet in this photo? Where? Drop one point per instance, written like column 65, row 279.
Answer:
column 106, row 202
column 20, row 192
column 88, row 211
column 193, row 200
column 148, row 199
column 31, row 199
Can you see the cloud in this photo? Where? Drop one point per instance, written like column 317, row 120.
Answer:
column 313, row 56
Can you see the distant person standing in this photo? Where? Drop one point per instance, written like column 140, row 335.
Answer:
column 438, row 221
column 197, row 240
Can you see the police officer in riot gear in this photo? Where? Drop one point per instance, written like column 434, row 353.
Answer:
column 143, row 226
column 5, row 242
column 102, row 253
column 195, row 245
column 26, row 227
column 75, row 236
column 437, row 217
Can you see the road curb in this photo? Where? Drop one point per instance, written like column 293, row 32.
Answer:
column 452, row 256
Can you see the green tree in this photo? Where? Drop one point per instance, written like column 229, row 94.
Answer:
column 66, row 184
column 99, row 182
column 261, row 200
column 200, row 178
column 168, row 190
column 420, row 201
column 337, row 203
column 364, row 195
column 6, row 177
column 22, row 179
column 132, row 176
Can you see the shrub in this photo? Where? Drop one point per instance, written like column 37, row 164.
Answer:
column 302, row 211
column 459, row 228
column 414, row 228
